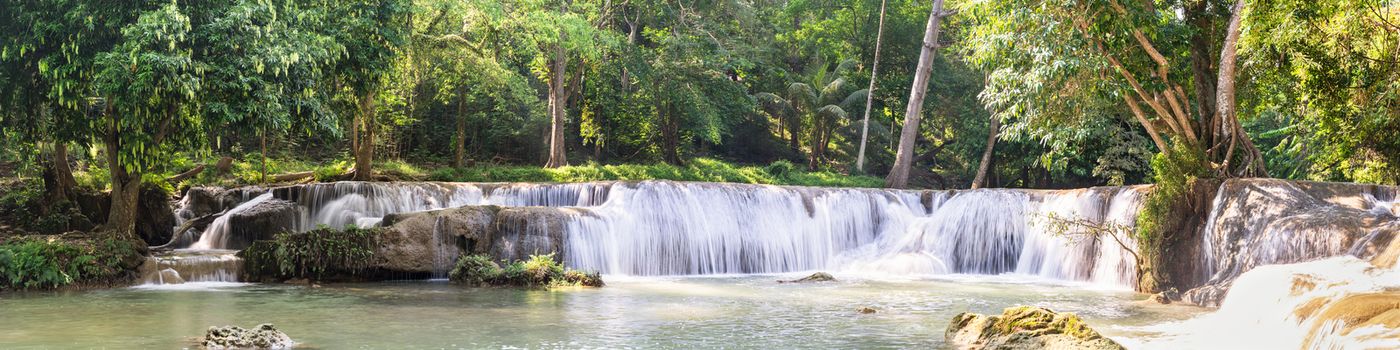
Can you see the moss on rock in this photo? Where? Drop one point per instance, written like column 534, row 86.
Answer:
column 1025, row 327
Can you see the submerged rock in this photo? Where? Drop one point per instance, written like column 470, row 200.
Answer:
column 866, row 310
column 1024, row 327
column 264, row 336
column 816, row 277
column 1166, row 297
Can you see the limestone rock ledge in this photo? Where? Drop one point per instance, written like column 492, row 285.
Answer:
column 1024, row 327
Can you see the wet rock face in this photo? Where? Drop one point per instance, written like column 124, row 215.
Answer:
column 155, row 221
column 264, row 336
column 525, row 231
column 261, row 222
column 1024, row 327
column 431, row 241
column 1259, row 222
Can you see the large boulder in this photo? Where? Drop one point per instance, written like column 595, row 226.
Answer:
column 264, row 336
column 261, row 222
column 525, row 231
column 155, row 220
column 431, row 241
column 1024, row 327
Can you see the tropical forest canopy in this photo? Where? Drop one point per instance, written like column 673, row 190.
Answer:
column 1034, row 93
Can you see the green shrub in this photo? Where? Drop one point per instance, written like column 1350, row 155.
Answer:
column 34, row 263
column 315, row 254
column 22, row 205
column 1172, row 178
column 781, row 169
column 476, row 270
column 537, row 271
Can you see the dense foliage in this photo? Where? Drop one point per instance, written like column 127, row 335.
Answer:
column 539, row 271
column 316, row 255
column 1064, row 93
column 39, row 263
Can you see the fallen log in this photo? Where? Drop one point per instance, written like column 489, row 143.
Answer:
column 185, row 175
column 293, row 176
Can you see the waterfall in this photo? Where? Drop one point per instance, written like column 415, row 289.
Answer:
column 218, row 234
column 192, row 266
column 669, row 228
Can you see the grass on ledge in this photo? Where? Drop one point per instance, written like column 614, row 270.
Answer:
column 701, row 169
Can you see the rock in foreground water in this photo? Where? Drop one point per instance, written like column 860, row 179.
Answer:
column 264, row 336
column 1024, row 327
column 816, row 277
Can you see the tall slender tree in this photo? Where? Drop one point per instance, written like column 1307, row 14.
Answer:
column 870, row 92
column 904, row 157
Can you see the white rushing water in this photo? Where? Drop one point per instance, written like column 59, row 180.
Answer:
column 678, row 228
column 1285, row 307
column 217, row 235
column 667, row 228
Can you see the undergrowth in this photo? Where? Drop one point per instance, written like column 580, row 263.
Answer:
column 316, row 254
column 539, row 271
column 46, row 262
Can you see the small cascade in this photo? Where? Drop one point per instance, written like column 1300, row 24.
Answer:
column 192, row 266
column 366, row 203
column 219, row 233
column 549, row 195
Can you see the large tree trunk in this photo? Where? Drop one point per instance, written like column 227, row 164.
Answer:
column 126, row 188
column 1225, row 103
column 364, row 155
column 557, row 109
column 870, row 92
column 461, row 155
column 986, row 164
column 1203, row 65
column 899, row 174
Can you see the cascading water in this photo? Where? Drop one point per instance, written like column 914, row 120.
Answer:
column 1264, row 222
column 192, row 266
column 666, row 228
column 218, row 234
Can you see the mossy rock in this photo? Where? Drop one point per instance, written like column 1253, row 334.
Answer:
column 1025, row 327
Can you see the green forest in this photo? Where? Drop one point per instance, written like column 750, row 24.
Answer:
column 121, row 96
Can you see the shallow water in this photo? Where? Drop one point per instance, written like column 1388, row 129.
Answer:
column 679, row 312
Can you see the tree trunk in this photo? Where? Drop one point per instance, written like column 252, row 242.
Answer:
column 1202, row 66
column 364, row 156
column 126, row 189
column 557, row 103
column 58, row 179
column 262, row 177
column 899, row 174
column 870, row 92
column 461, row 156
column 670, row 135
column 1225, row 103
column 986, row 164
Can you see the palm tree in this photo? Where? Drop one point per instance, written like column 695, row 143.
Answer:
column 822, row 111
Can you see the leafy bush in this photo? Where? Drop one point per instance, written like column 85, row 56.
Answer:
column 22, row 205
column 315, row 254
column 537, row 271
column 1172, row 178
column 38, row 263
